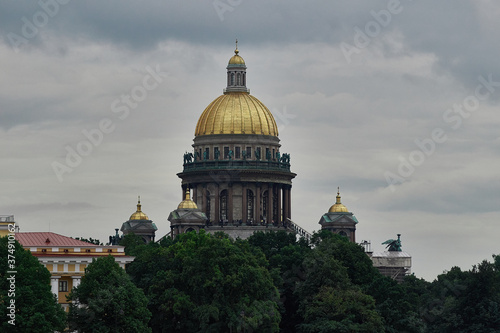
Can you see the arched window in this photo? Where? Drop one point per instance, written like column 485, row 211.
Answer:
column 250, row 204
column 343, row 233
column 232, row 79
column 223, row 205
column 238, row 79
column 244, row 79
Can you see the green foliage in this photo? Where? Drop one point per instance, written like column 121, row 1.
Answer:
column 329, row 300
column 108, row 301
column 285, row 254
column 466, row 301
column 132, row 243
column 209, row 284
column 36, row 307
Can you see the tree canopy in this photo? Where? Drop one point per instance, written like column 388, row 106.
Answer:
column 108, row 301
column 209, row 284
column 36, row 307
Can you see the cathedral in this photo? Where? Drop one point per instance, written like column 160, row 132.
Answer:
column 236, row 178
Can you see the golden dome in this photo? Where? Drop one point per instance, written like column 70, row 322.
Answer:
column 236, row 113
column 338, row 207
column 187, row 203
column 236, row 59
column 139, row 215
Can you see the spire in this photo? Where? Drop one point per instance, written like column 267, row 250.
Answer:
column 138, row 203
column 338, row 195
column 236, row 50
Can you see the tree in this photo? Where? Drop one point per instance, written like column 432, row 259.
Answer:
column 36, row 307
column 107, row 301
column 329, row 301
column 285, row 255
column 205, row 283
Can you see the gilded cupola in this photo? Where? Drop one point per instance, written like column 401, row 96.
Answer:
column 139, row 214
column 338, row 206
column 236, row 111
column 187, row 203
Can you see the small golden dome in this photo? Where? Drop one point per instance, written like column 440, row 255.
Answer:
column 139, row 215
column 338, row 207
column 236, row 113
column 236, row 59
column 187, row 203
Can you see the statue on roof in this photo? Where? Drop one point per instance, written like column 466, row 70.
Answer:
column 393, row 244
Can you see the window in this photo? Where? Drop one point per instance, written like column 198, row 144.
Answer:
column 223, row 205
column 343, row 233
column 268, row 154
column 244, row 78
column 207, row 154
column 250, row 202
column 237, row 152
column 226, row 153
column 238, row 79
column 257, row 153
column 216, row 153
column 63, row 286
column 232, row 79
column 249, row 152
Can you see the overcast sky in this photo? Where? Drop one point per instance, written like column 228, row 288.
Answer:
column 395, row 102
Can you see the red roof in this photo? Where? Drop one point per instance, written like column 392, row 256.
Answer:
column 28, row 239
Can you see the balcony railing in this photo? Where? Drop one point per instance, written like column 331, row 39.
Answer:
column 237, row 164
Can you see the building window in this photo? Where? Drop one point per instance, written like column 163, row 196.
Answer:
column 232, row 79
column 238, row 79
column 216, row 153
column 226, row 153
column 63, row 286
column 250, row 204
column 223, row 205
column 237, row 152
column 343, row 233
column 249, row 152
column 207, row 154
column 244, row 79
column 258, row 153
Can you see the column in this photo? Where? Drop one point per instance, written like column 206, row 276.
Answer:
column 278, row 201
column 244, row 203
column 76, row 281
column 257, row 204
column 270, row 205
column 289, row 197
column 54, row 285
column 216, row 204
column 195, row 193
column 285, row 202
column 204, row 199
column 230, row 215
